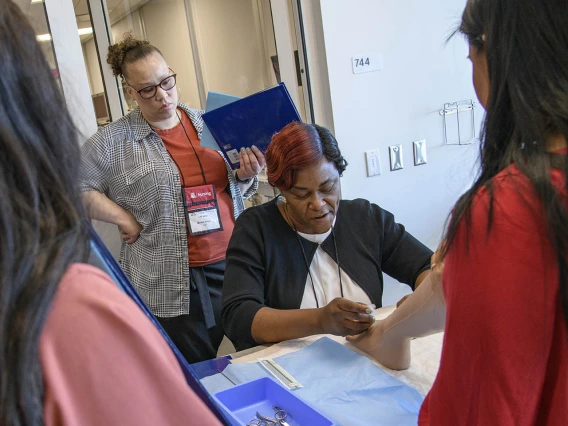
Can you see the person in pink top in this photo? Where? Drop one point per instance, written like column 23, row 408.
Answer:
column 74, row 350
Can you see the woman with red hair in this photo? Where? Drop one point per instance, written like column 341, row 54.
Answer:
column 301, row 265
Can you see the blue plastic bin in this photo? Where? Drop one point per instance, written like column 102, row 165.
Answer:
column 241, row 402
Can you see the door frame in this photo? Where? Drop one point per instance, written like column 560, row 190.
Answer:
column 68, row 52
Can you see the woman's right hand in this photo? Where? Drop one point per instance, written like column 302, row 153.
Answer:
column 129, row 228
column 343, row 317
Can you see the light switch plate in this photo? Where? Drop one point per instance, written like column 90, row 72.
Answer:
column 395, row 154
column 373, row 161
column 419, row 148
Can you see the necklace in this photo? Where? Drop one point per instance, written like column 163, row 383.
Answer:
column 306, row 257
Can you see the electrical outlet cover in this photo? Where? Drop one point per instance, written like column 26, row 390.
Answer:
column 395, row 154
column 419, row 148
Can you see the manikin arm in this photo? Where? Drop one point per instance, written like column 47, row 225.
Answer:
column 422, row 313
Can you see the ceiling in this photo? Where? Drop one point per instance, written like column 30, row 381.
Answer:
column 35, row 14
column 117, row 9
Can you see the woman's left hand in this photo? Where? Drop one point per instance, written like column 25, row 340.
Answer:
column 252, row 162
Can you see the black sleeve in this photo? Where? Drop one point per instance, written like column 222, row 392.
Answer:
column 243, row 287
column 404, row 257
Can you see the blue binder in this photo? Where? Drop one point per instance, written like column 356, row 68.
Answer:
column 251, row 121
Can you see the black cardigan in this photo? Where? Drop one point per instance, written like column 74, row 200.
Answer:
column 265, row 265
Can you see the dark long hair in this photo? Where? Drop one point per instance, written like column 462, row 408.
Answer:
column 41, row 228
column 526, row 44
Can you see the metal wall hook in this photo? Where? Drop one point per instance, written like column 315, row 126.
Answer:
column 466, row 106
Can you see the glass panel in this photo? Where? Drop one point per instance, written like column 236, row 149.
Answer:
column 236, row 45
column 164, row 24
column 92, row 62
column 35, row 11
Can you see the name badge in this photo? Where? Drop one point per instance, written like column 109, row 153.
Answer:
column 201, row 209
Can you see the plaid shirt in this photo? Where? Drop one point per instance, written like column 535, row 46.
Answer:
column 127, row 161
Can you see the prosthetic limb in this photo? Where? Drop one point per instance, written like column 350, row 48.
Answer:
column 421, row 314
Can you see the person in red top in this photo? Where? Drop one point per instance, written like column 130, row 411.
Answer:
column 504, row 264
column 74, row 349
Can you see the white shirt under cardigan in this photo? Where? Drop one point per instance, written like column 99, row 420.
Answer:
column 323, row 270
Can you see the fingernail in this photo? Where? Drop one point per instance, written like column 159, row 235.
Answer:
column 374, row 319
column 254, row 146
column 248, row 149
column 368, row 311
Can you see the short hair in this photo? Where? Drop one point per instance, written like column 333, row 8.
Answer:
column 299, row 146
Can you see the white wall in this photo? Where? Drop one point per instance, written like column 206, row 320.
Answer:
column 166, row 28
column 399, row 105
column 129, row 23
column 231, row 46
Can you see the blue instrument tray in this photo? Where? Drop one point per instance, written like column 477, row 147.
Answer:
column 241, row 403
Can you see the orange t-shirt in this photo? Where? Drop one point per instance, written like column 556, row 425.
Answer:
column 207, row 248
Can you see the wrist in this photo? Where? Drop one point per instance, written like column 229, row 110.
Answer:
column 124, row 218
column 241, row 180
column 320, row 320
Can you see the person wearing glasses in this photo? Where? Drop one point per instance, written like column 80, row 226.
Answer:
column 174, row 202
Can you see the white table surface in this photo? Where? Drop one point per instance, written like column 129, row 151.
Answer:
column 426, row 353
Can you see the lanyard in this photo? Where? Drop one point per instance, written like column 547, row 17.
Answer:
column 306, row 258
column 194, row 151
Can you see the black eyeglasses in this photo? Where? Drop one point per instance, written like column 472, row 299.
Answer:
column 149, row 92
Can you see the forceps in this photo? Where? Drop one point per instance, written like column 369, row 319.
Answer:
column 279, row 419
